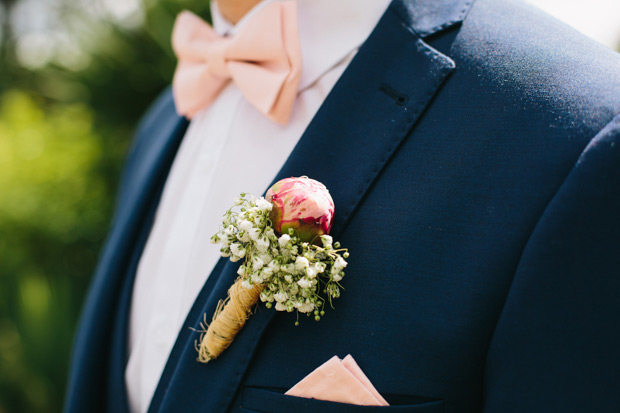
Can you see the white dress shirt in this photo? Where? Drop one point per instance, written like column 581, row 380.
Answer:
column 228, row 148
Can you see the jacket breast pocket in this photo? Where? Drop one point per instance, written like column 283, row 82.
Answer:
column 262, row 400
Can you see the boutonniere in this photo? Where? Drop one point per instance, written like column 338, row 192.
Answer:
column 290, row 261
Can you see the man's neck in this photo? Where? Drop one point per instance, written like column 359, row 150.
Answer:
column 234, row 10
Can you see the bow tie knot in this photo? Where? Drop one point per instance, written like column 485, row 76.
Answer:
column 263, row 59
column 215, row 56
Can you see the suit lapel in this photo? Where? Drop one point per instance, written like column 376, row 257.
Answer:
column 156, row 144
column 363, row 121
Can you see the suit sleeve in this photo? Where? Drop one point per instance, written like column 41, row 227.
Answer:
column 556, row 346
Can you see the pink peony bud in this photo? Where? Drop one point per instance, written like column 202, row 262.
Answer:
column 302, row 204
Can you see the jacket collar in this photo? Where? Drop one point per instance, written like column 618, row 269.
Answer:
column 428, row 17
column 368, row 114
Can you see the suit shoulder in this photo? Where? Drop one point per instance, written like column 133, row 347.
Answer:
column 160, row 115
column 157, row 136
column 510, row 45
column 162, row 106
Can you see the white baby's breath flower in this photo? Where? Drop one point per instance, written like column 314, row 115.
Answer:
column 304, row 282
column 301, row 263
column 241, row 270
column 257, row 278
column 280, row 297
column 288, row 278
column 263, row 204
column 228, row 234
column 262, row 244
column 326, row 240
column 265, row 257
column 339, row 265
column 337, row 277
column 274, row 266
column 225, row 242
column 269, row 233
column 246, row 284
column 283, row 240
column 311, row 272
column 238, row 201
column 267, row 271
column 237, row 250
column 253, row 211
column 254, row 233
column 306, row 307
column 257, row 263
column 280, row 307
column 245, row 225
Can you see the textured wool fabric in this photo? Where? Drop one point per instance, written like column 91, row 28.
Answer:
column 472, row 152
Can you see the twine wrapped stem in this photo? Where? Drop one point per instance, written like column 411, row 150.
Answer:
column 230, row 316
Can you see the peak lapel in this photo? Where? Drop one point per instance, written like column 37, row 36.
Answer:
column 363, row 121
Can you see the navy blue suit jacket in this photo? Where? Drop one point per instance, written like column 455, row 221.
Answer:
column 473, row 154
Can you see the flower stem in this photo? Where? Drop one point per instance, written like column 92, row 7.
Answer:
column 230, row 316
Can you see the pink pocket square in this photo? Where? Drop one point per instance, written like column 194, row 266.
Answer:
column 339, row 381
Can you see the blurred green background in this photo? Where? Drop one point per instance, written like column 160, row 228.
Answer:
column 75, row 76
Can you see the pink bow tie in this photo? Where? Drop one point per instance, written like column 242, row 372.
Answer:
column 263, row 59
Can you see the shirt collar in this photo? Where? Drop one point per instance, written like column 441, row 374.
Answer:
column 329, row 30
